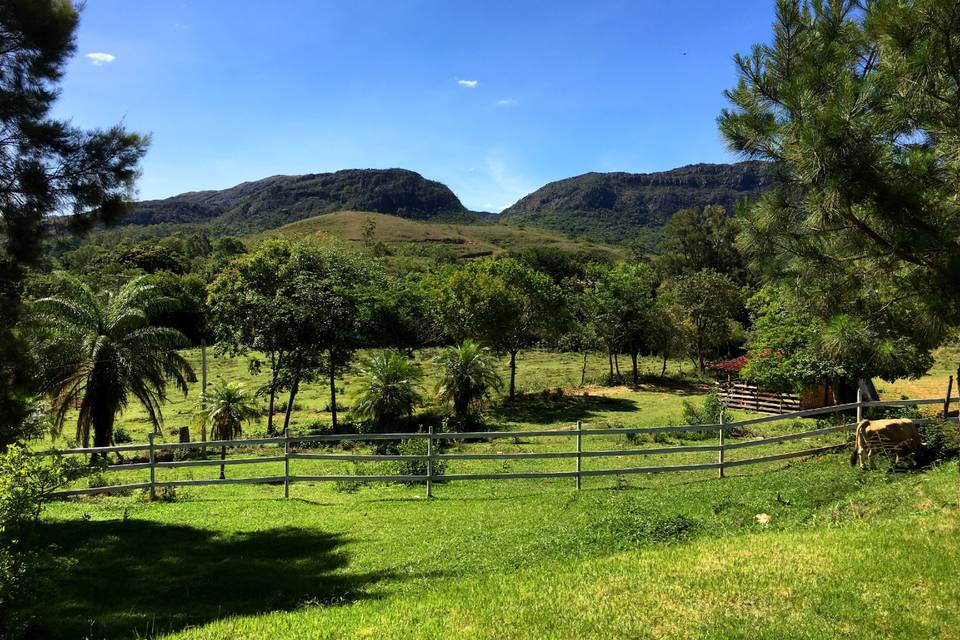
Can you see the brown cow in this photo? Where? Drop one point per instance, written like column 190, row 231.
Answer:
column 899, row 437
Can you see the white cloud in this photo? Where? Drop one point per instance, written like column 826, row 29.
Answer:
column 469, row 84
column 99, row 59
column 506, row 102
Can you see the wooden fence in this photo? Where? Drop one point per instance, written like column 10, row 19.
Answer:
column 578, row 454
column 740, row 395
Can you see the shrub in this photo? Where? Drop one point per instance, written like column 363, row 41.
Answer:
column 708, row 412
column 97, row 479
column 24, row 481
column 120, row 436
column 942, row 439
column 354, row 469
column 472, row 421
column 416, row 467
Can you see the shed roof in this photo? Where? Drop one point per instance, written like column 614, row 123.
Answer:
column 733, row 365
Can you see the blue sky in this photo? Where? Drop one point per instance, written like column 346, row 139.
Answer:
column 492, row 98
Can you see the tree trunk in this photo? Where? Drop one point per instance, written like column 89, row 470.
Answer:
column 513, row 374
column 583, row 370
column 636, row 373
column 700, row 361
column 223, row 456
column 616, row 362
column 333, row 392
column 274, row 375
column 273, row 399
column 103, row 419
column 610, row 358
column 293, row 394
column 461, row 404
column 663, row 371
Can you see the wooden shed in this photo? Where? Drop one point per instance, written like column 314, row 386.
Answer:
column 739, row 394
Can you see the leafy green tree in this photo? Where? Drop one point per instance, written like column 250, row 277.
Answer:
column 580, row 335
column 705, row 305
column 502, row 303
column 394, row 313
column 97, row 352
column 665, row 335
column 562, row 265
column 388, row 389
column 856, row 105
column 47, row 167
column 469, row 376
column 698, row 239
column 300, row 306
column 619, row 302
column 223, row 410
column 790, row 347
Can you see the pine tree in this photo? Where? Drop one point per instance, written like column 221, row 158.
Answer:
column 857, row 104
column 48, row 167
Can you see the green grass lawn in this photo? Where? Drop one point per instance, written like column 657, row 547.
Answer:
column 844, row 554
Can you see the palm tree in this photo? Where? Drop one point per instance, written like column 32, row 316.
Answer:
column 225, row 408
column 469, row 376
column 388, row 389
column 95, row 352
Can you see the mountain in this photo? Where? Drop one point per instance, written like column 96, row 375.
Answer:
column 618, row 206
column 279, row 200
column 608, row 207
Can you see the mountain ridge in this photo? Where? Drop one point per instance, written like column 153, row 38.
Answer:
column 606, row 206
column 619, row 203
column 271, row 202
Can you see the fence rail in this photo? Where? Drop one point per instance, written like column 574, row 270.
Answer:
column 579, row 454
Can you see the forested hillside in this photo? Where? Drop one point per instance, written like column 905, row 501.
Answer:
column 279, row 200
column 618, row 206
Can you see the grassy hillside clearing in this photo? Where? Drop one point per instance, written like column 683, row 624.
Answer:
column 455, row 241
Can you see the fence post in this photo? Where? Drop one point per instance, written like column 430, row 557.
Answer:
column 286, row 463
column 946, row 400
column 720, row 450
column 153, row 467
column 859, row 403
column 430, row 460
column 579, row 451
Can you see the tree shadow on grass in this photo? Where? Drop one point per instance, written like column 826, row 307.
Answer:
column 546, row 408
column 138, row 578
column 679, row 386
